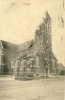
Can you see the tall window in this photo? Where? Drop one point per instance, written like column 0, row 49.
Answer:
column 37, row 61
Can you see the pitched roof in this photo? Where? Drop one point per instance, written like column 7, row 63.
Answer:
column 8, row 45
column 61, row 66
column 25, row 45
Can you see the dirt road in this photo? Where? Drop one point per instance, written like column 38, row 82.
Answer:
column 43, row 89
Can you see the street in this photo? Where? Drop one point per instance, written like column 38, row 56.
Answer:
column 42, row 89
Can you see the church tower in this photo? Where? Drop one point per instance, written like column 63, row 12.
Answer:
column 43, row 40
column 43, row 34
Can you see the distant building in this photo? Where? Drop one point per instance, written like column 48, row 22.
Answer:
column 34, row 56
column 61, row 69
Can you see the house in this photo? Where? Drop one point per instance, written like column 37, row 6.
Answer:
column 61, row 69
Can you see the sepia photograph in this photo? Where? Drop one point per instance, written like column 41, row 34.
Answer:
column 32, row 49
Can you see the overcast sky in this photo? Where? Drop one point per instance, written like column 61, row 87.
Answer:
column 20, row 18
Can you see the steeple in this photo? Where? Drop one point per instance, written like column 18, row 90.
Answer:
column 47, row 22
column 47, row 15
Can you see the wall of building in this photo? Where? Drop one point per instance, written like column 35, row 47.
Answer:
column 1, row 58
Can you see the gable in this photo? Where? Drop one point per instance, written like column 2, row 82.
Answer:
column 8, row 45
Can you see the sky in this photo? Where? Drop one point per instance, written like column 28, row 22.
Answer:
column 20, row 18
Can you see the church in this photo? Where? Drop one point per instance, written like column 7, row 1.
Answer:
column 34, row 56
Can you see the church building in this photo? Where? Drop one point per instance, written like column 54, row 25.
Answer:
column 34, row 56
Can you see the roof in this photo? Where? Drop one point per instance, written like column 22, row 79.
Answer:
column 61, row 66
column 16, row 47
column 8, row 45
column 53, row 56
column 25, row 45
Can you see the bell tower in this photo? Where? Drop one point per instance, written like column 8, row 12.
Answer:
column 43, row 40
